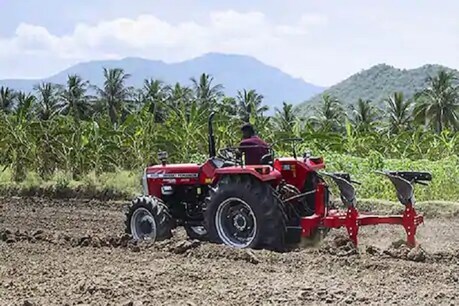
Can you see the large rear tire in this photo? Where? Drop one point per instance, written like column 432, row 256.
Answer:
column 243, row 212
column 148, row 218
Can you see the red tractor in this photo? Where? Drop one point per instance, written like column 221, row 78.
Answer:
column 271, row 205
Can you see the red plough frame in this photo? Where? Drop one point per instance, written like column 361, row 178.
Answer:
column 352, row 219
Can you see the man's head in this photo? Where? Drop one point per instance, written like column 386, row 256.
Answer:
column 247, row 131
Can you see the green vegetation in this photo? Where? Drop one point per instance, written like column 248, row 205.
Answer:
column 125, row 184
column 120, row 184
column 377, row 83
column 445, row 174
column 77, row 136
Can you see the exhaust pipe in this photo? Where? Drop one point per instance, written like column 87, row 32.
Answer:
column 212, row 151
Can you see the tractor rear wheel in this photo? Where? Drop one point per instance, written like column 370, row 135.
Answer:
column 243, row 212
column 148, row 218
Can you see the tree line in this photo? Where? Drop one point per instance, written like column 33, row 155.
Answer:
column 79, row 127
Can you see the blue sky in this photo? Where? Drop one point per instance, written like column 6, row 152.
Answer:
column 322, row 42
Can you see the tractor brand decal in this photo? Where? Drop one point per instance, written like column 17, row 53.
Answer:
column 172, row 175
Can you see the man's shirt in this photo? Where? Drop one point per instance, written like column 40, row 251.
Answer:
column 255, row 149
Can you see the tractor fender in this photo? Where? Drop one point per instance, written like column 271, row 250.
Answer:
column 261, row 173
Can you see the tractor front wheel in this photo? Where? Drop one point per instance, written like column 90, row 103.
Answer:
column 148, row 218
column 243, row 212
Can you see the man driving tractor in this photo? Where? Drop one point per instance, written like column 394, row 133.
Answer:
column 252, row 145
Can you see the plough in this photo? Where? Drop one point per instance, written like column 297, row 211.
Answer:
column 352, row 219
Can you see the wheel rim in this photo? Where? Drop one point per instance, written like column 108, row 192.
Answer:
column 143, row 225
column 236, row 223
column 199, row 230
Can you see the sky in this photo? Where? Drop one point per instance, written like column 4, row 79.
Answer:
column 322, row 42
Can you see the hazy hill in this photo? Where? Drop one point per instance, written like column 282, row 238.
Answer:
column 378, row 82
column 235, row 72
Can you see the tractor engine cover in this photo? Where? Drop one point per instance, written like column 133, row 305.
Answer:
column 159, row 178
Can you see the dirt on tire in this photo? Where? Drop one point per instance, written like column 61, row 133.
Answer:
column 74, row 252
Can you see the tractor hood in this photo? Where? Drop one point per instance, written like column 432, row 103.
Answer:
column 173, row 171
column 164, row 176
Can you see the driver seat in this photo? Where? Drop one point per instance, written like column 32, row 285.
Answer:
column 267, row 159
column 219, row 163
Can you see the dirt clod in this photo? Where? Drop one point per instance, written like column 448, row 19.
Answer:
column 416, row 254
column 38, row 233
column 135, row 248
column 10, row 240
column 134, row 303
column 372, row 250
column 3, row 236
column 339, row 245
column 400, row 250
column 252, row 258
column 183, row 246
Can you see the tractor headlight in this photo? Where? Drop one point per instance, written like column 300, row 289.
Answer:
column 145, row 183
column 167, row 190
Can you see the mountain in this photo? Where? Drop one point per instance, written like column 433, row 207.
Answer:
column 235, row 72
column 377, row 83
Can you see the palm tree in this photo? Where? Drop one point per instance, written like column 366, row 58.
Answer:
column 74, row 98
column 48, row 99
column 228, row 106
column 364, row 114
column 155, row 94
column 138, row 99
column 179, row 95
column 7, row 96
column 25, row 104
column 329, row 114
column 399, row 111
column 438, row 104
column 206, row 93
column 115, row 95
column 250, row 104
column 285, row 118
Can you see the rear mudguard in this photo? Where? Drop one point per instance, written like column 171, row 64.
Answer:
column 262, row 173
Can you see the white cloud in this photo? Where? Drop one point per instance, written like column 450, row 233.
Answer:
column 313, row 19
column 151, row 37
column 140, row 36
column 33, row 38
column 233, row 22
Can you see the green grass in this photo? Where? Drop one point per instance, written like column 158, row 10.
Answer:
column 122, row 183
column 119, row 184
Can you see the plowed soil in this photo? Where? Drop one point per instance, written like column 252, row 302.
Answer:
column 58, row 252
